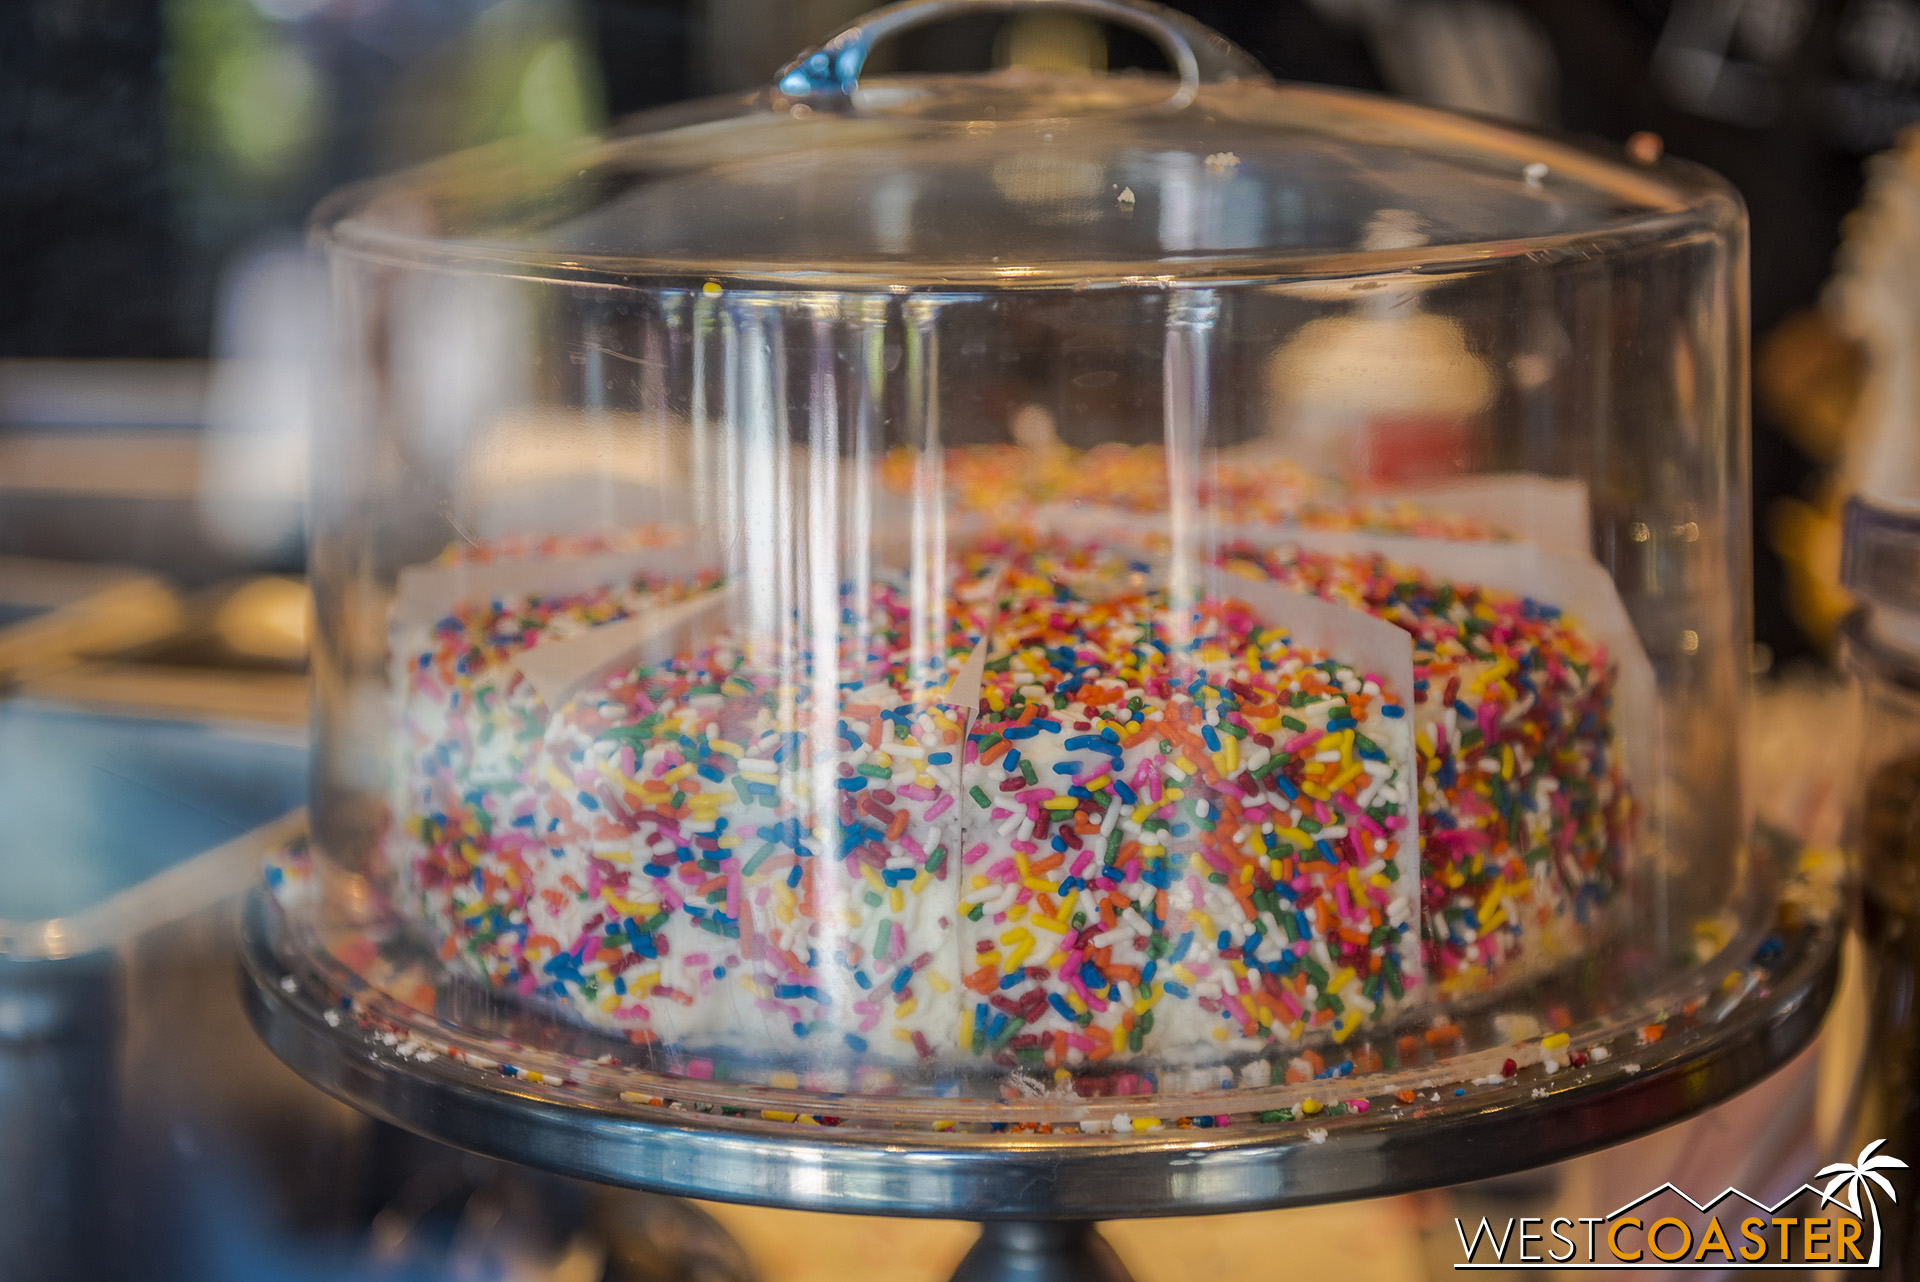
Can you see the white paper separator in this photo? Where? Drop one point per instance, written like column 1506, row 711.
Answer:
column 425, row 594
column 963, row 691
column 1375, row 649
column 1551, row 511
column 1570, row 581
column 1577, row 585
column 560, row 669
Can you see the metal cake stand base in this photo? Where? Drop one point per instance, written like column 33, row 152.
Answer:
column 1037, row 1188
column 1040, row 1251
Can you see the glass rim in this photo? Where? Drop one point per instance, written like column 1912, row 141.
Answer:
column 1676, row 199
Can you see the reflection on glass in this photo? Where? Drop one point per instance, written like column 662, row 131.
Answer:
column 1085, row 656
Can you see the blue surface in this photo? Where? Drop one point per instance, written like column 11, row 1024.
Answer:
column 91, row 805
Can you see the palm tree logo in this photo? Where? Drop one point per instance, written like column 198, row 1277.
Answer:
column 1850, row 1181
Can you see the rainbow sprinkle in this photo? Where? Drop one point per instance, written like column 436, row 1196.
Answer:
column 1186, row 843
column 1010, row 482
column 467, row 734
column 767, row 858
column 1164, row 832
column 1525, row 814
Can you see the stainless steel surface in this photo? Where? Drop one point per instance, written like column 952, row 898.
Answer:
column 116, row 877
column 1447, row 1136
column 56, row 1063
column 169, row 895
column 826, row 77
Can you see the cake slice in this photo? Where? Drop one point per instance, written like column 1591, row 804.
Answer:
column 1182, row 838
column 466, row 840
column 801, row 821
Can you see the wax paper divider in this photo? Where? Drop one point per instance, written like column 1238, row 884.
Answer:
column 1550, row 511
column 964, row 691
column 1374, row 648
column 961, row 697
column 559, row 669
column 1571, row 581
column 1553, row 512
column 1577, row 585
column 425, row 594
column 1370, row 646
column 1362, row 640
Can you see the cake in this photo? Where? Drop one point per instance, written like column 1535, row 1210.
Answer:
column 468, row 724
column 715, row 871
column 1186, row 828
column 1525, row 810
column 1158, row 828
column 1012, row 483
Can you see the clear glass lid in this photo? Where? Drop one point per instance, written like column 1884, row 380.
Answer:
column 1036, row 588
column 1022, row 176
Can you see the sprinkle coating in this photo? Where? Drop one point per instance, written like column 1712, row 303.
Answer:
column 1164, row 830
column 466, row 734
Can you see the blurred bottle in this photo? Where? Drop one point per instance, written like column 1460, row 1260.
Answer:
column 1881, row 649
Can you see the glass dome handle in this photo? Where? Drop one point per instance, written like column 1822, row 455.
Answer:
column 825, row 78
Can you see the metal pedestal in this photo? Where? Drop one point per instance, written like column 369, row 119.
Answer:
column 1040, row 1251
column 1037, row 1188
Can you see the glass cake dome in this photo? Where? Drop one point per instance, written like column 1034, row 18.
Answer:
column 1014, row 588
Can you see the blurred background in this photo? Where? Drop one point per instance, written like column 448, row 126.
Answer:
column 158, row 158
column 161, row 321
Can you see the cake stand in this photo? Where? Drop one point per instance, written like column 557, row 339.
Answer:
column 1037, row 1172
